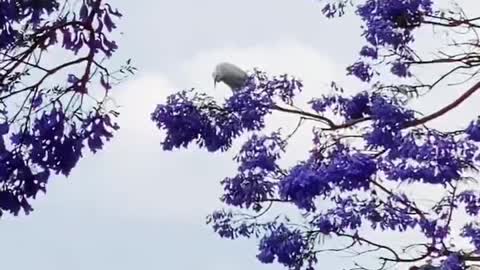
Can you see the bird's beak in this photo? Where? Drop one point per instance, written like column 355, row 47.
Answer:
column 214, row 84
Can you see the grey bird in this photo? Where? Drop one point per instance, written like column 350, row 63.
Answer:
column 230, row 75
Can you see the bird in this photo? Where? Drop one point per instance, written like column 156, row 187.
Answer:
column 230, row 75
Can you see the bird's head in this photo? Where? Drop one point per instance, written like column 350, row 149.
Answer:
column 216, row 78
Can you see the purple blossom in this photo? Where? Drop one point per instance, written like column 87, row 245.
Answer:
column 431, row 229
column 361, row 70
column 52, row 146
column 471, row 199
column 329, row 102
column 336, row 9
column 400, row 69
column 473, row 131
column 357, row 107
column 227, row 225
column 439, row 158
column 261, row 153
column 253, row 184
column 369, row 52
column 50, row 131
column 389, row 119
column 302, row 185
column 452, row 262
column 472, row 231
column 346, row 171
column 389, row 23
column 247, row 190
column 285, row 245
column 350, row 212
column 188, row 117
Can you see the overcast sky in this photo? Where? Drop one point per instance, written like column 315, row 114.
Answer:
column 133, row 206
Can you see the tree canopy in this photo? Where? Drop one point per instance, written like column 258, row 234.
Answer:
column 52, row 63
column 367, row 148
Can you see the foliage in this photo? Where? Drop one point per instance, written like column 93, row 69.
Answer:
column 346, row 187
column 50, row 111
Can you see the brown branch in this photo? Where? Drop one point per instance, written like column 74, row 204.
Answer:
column 447, row 108
column 51, row 72
column 406, row 203
column 303, row 113
column 312, row 116
column 360, row 239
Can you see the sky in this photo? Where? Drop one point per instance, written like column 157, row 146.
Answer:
column 134, row 206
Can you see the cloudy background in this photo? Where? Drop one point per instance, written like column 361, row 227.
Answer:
column 133, row 206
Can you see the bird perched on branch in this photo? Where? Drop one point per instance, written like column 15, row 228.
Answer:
column 230, row 75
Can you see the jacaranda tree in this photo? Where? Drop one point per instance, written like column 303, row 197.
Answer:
column 364, row 146
column 54, row 90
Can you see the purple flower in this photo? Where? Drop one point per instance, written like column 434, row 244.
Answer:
column 253, row 185
column 188, row 117
column 452, row 262
column 473, row 131
column 472, row 201
column 472, row 231
column 361, row 70
column 331, row 10
column 439, row 158
column 369, row 52
column 332, row 102
column 346, row 171
column 357, row 107
column 285, row 245
column 400, row 69
column 261, row 153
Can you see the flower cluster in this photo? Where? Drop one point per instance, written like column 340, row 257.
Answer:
column 337, row 8
column 47, row 134
column 389, row 22
column 388, row 113
column 75, row 37
column 361, row 70
column 231, row 225
column 257, row 169
column 350, row 212
column 260, row 153
column 389, row 26
column 188, row 117
column 222, row 224
column 472, row 231
column 432, row 157
column 473, row 130
column 471, row 199
column 389, row 119
column 343, row 169
column 285, row 245
column 453, row 262
column 52, row 146
column 15, row 13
